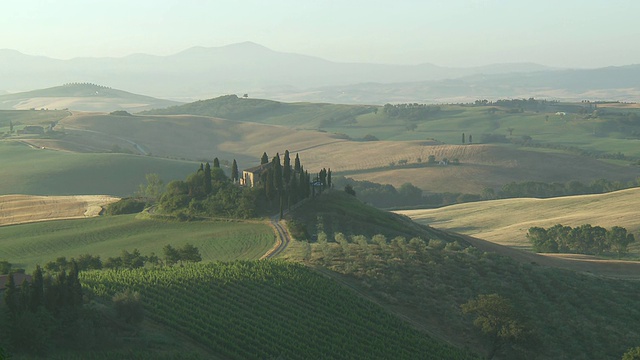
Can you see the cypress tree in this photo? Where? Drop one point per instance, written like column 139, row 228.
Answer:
column 234, row 171
column 74, row 288
column 11, row 295
column 36, row 298
column 269, row 185
column 463, row 138
column 216, row 163
column 264, row 159
column 277, row 173
column 329, row 178
column 297, row 165
column 286, row 167
column 207, row 179
column 201, row 168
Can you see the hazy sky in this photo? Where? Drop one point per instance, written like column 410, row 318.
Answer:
column 566, row 33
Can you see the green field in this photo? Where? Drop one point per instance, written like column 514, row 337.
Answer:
column 27, row 170
column 30, row 244
column 269, row 310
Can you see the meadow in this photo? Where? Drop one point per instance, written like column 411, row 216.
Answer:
column 27, row 245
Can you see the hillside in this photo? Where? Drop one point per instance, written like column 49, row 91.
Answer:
column 257, row 310
column 507, row 221
column 52, row 172
column 81, row 97
column 27, row 245
column 425, row 281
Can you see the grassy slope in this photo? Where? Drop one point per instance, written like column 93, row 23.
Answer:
column 30, row 244
column 507, row 221
column 565, row 310
column 268, row 309
column 44, row 172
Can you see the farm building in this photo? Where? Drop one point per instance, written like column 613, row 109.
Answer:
column 251, row 176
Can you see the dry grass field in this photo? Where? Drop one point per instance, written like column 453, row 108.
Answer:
column 203, row 138
column 20, row 209
column 507, row 221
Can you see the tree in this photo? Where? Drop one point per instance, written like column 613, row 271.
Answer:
column 296, row 166
column 234, row 171
column 470, row 139
column 207, row 179
column 431, row 159
column 463, row 138
column 496, row 318
column 329, row 178
column 632, row 354
column 216, row 163
column 11, row 296
column 349, row 190
column 171, row 255
column 286, row 168
column 154, row 188
column 510, row 130
column 129, row 306
column 5, row 267
column 618, row 239
column 10, row 127
column 190, row 253
column 36, row 298
column 264, row 159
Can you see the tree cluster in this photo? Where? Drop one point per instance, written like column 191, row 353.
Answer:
column 547, row 190
column 584, row 239
column 45, row 310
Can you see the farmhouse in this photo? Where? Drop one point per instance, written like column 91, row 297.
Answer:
column 251, row 176
column 18, row 279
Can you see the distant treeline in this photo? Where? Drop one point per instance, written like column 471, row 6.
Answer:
column 409, row 195
column 584, row 239
column 411, row 111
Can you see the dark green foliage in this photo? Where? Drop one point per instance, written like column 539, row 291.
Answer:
column 349, row 190
column 496, row 318
column 296, row 166
column 235, row 176
column 5, row 267
column 128, row 306
column 216, row 163
column 36, row 298
column 120, row 113
column 411, row 111
column 188, row 253
column 286, row 168
column 584, row 239
column 207, row 179
column 264, row 159
column 125, row 206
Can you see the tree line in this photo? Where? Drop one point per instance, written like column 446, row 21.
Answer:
column 584, row 239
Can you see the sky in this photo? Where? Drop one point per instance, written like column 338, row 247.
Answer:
column 456, row 33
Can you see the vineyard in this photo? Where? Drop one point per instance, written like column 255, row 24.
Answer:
column 269, row 309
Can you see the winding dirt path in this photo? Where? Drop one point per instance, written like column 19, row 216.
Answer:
column 282, row 239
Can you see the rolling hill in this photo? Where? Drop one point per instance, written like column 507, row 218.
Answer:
column 507, row 221
column 81, row 97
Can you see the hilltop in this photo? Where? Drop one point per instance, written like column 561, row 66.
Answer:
column 81, row 97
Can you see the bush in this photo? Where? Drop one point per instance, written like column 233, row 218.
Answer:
column 125, row 206
column 129, row 306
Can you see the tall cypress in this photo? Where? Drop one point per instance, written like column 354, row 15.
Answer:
column 329, row 178
column 297, row 165
column 216, row 163
column 286, row 167
column 207, row 179
column 36, row 298
column 264, row 159
column 234, row 171
column 11, row 295
column 277, row 173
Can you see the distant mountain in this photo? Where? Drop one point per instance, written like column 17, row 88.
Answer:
column 82, row 97
column 207, row 72
column 201, row 72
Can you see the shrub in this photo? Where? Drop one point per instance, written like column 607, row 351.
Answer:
column 129, row 306
column 125, row 206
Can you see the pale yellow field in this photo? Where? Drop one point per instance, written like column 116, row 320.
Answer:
column 507, row 221
column 20, row 209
